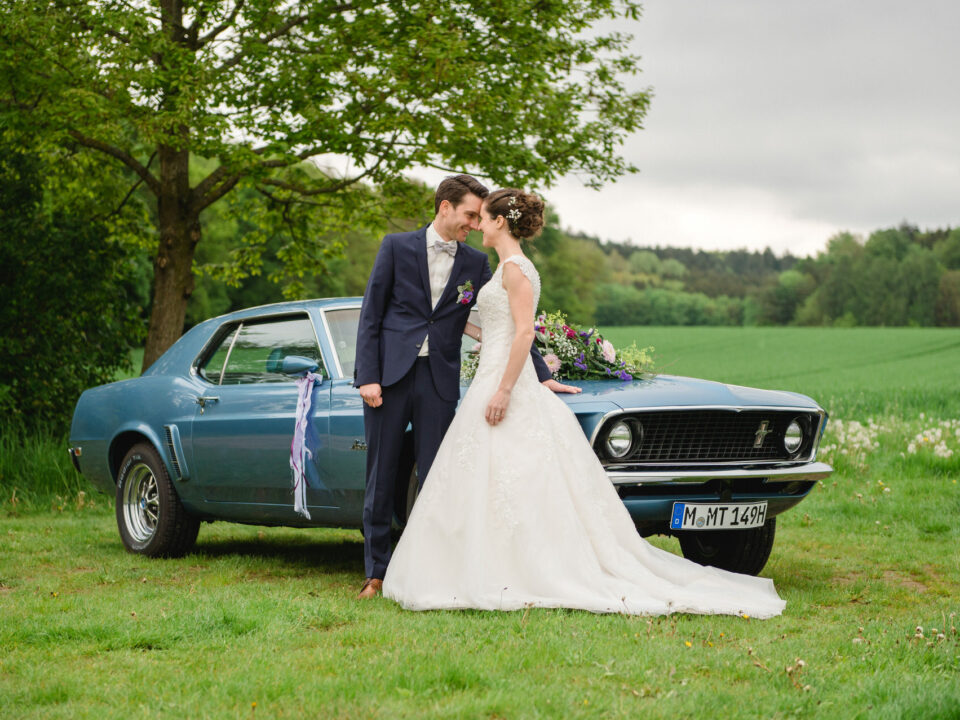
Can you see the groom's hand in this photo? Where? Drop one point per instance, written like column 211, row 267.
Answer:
column 559, row 387
column 371, row 394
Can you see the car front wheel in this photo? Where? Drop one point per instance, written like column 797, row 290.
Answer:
column 740, row 551
column 151, row 519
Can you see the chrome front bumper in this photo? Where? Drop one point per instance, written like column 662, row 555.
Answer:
column 792, row 473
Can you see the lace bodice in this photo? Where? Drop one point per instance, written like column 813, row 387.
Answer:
column 493, row 304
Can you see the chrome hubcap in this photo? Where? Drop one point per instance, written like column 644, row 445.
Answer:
column 141, row 503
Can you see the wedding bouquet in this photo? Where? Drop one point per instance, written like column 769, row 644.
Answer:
column 575, row 353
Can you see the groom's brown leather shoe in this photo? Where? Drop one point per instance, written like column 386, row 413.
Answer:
column 371, row 588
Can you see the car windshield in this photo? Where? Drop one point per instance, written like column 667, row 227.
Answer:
column 343, row 326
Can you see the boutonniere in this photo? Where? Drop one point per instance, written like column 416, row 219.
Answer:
column 466, row 293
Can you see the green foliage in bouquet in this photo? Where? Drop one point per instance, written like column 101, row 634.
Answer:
column 575, row 353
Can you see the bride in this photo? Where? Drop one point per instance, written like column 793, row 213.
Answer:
column 517, row 511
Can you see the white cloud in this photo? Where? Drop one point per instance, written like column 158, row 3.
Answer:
column 696, row 216
column 779, row 124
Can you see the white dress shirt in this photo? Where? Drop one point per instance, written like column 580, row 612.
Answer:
column 439, row 265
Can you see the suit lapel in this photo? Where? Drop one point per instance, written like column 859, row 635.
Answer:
column 458, row 261
column 420, row 251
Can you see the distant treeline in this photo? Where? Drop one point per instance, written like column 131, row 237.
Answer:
column 896, row 276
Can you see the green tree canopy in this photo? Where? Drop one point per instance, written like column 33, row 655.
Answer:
column 66, row 320
column 521, row 92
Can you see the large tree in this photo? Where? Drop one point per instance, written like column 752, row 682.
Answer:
column 520, row 92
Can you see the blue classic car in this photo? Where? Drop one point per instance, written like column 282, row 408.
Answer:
column 205, row 434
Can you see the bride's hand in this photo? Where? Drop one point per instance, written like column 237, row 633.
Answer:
column 497, row 407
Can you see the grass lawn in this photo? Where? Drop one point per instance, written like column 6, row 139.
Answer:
column 852, row 372
column 262, row 622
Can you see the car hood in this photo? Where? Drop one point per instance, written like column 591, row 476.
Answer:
column 677, row 391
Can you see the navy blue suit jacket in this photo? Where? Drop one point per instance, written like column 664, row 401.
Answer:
column 397, row 313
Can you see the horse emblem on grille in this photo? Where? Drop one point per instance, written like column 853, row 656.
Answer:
column 761, row 433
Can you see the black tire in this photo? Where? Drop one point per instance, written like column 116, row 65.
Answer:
column 150, row 517
column 741, row 551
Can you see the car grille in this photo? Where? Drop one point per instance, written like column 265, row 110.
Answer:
column 680, row 437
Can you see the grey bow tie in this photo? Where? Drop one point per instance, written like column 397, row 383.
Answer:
column 450, row 248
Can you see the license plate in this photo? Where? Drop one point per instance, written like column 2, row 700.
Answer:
column 697, row 516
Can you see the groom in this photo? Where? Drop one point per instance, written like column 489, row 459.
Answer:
column 415, row 308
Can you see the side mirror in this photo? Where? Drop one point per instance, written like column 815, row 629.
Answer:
column 298, row 365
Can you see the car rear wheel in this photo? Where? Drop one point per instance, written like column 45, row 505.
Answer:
column 741, row 551
column 150, row 517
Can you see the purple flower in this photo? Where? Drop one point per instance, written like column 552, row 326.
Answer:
column 580, row 362
column 624, row 375
column 466, row 293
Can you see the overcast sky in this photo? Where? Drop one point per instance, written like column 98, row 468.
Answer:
column 781, row 123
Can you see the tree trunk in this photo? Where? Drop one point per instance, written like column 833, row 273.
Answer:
column 173, row 268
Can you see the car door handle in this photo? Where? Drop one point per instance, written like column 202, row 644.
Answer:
column 204, row 399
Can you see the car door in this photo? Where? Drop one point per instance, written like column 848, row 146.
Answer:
column 244, row 422
column 346, row 456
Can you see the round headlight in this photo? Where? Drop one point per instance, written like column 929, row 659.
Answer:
column 793, row 437
column 619, row 440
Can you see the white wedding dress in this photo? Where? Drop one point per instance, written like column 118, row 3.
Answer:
column 522, row 514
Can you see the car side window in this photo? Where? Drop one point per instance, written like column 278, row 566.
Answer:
column 343, row 326
column 252, row 351
column 213, row 368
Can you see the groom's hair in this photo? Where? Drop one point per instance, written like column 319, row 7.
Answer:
column 454, row 187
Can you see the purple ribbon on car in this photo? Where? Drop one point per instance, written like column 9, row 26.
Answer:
column 299, row 452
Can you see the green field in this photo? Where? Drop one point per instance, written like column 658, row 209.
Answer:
column 262, row 623
column 852, row 372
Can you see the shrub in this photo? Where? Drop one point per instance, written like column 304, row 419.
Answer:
column 65, row 319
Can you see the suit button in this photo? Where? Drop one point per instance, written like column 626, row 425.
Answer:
column 419, row 344
column 431, row 322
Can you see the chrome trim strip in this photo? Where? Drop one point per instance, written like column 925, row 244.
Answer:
column 226, row 360
column 732, row 408
column 805, row 472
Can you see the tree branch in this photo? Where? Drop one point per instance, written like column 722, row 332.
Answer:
column 290, row 201
column 228, row 22
column 279, row 32
column 120, row 155
column 126, row 197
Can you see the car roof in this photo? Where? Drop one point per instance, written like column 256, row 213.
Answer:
column 288, row 306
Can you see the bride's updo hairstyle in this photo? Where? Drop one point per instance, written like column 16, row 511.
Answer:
column 522, row 211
